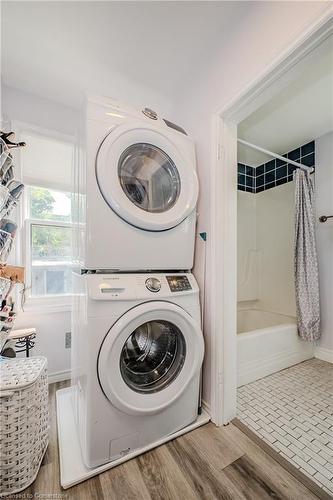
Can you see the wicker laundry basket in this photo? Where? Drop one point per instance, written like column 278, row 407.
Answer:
column 24, row 425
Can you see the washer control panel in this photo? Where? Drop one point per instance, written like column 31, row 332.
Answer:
column 178, row 283
column 153, row 284
column 122, row 287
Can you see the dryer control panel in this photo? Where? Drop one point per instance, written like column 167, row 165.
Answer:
column 178, row 283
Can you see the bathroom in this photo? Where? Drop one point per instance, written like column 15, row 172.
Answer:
column 279, row 372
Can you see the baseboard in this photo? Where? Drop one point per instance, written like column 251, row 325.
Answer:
column 254, row 370
column 59, row 376
column 324, row 354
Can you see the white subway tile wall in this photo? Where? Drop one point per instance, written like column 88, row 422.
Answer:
column 292, row 411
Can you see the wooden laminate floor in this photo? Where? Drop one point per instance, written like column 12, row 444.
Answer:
column 207, row 463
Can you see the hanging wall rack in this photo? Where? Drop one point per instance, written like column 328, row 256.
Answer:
column 10, row 194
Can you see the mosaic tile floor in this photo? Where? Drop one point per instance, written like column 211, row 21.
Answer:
column 292, row 411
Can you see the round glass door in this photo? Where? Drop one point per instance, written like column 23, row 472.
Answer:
column 149, row 357
column 145, row 177
column 152, row 356
column 149, row 177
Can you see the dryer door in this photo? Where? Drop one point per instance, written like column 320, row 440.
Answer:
column 145, row 178
column 149, row 356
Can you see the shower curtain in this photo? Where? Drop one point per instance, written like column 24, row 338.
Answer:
column 305, row 259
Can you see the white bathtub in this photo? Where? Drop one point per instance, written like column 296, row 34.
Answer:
column 249, row 320
column 266, row 343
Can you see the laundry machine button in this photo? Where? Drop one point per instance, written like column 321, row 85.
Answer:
column 153, row 284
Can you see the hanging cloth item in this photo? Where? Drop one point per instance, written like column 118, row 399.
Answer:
column 305, row 259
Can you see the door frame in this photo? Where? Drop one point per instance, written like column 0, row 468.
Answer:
column 223, row 242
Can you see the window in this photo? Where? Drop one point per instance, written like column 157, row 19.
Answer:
column 47, row 164
column 49, row 221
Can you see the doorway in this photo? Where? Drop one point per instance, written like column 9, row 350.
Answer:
column 223, row 248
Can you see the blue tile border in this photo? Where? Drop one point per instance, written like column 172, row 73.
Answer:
column 274, row 172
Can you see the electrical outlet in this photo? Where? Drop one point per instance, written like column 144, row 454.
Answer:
column 68, row 340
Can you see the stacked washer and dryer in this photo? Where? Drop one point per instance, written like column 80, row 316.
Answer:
column 137, row 344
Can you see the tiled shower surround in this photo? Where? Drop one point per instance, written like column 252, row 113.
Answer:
column 292, row 411
column 274, row 172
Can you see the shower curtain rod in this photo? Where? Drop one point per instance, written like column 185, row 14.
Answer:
column 275, row 155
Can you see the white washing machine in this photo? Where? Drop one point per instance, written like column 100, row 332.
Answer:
column 138, row 190
column 137, row 351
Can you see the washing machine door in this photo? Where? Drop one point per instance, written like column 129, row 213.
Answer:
column 149, row 357
column 145, row 178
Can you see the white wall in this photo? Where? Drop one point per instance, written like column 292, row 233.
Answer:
column 265, row 249
column 256, row 40
column 50, row 341
column 324, row 234
column 275, row 243
column 247, row 254
column 30, row 108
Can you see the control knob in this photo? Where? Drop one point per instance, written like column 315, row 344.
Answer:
column 153, row 284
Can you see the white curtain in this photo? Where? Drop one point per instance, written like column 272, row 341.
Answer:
column 305, row 259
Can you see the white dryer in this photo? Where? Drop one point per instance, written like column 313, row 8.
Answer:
column 137, row 351
column 137, row 190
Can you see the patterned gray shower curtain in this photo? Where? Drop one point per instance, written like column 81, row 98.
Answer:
column 305, row 259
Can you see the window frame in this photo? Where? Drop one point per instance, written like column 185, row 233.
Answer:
column 22, row 242
column 58, row 300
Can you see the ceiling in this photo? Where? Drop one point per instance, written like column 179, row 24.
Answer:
column 301, row 112
column 61, row 49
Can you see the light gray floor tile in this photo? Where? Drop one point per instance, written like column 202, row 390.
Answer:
column 297, row 405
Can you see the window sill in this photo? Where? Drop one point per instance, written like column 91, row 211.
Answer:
column 47, row 305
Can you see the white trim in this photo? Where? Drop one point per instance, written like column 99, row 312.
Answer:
column 50, row 302
column 47, row 305
column 213, row 269
column 224, row 256
column 280, row 71
column 223, row 242
column 46, row 222
column 324, row 354
column 59, row 376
